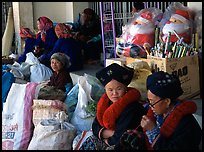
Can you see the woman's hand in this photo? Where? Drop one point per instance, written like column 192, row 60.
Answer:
column 147, row 123
column 107, row 133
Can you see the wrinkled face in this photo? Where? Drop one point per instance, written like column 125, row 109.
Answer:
column 158, row 105
column 115, row 90
column 56, row 65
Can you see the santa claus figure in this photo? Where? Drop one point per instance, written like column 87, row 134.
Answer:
column 142, row 30
column 179, row 26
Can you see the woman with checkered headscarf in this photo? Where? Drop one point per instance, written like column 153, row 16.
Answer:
column 45, row 38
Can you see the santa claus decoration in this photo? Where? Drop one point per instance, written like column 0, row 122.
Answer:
column 179, row 26
column 138, row 36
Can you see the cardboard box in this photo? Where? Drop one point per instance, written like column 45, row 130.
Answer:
column 187, row 68
column 120, row 61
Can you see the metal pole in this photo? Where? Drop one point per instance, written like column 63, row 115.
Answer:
column 113, row 26
column 102, row 34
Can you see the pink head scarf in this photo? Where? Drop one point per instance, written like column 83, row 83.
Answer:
column 46, row 24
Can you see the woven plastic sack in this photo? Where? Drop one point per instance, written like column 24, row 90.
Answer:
column 46, row 109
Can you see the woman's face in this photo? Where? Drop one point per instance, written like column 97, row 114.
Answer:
column 115, row 90
column 39, row 26
column 158, row 105
column 56, row 65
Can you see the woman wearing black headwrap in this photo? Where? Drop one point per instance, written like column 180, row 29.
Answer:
column 169, row 123
column 117, row 110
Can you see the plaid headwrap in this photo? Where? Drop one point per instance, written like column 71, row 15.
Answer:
column 46, row 24
column 26, row 33
column 63, row 31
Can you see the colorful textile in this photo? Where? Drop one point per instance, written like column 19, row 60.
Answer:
column 63, row 31
column 26, row 33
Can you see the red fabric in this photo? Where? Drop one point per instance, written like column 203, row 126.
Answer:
column 146, row 15
column 183, row 13
column 63, row 31
column 140, row 39
column 26, row 33
column 107, row 115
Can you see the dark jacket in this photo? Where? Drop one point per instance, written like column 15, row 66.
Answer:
column 29, row 47
column 49, row 43
column 187, row 136
column 60, row 80
column 70, row 47
column 180, row 130
column 130, row 118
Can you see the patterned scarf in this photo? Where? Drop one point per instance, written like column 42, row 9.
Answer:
column 63, row 31
column 108, row 114
column 46, row 24
column 26, row 33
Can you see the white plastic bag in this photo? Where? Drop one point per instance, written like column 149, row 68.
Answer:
column 81, row 119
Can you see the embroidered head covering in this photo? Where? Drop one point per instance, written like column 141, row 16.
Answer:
column 164, row 85
column 115, row 71
column 63, row 31
column 26, row 33
column 46, row 24
column 63, row 58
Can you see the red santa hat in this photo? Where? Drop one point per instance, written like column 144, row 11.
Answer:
column 145, row 17
column 181, row 15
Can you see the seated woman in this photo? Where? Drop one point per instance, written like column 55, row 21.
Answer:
column 45, row 38
column 66, row 44
column 169, row 123
column 88, row 34
column 29, row 42
column 117, row 110
column 61, row 77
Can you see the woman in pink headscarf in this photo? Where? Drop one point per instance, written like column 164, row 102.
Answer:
column 45, row 38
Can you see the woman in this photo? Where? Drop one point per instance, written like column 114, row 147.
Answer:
column 66, row 44
column 117, row 110
column 88, row 35
column 61, row 77
column 29, row 42
column 45, row 38
column 169, row 123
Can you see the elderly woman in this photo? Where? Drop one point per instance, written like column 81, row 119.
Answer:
column 66, row 44
column 169, row 123
column 61, row 77
column 45, row 38
column 117, row 110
